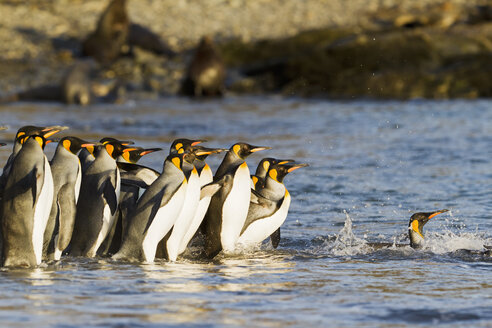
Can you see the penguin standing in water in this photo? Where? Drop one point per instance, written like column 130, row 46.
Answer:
column 206, row 177
column 98, row 200
column 157, row 210
column 27, row 200
column 229, row 205
column 132, row 186
column 24, row 131
column 186, row 216
column 258, row 181
column 67, row 178
column 269, row 206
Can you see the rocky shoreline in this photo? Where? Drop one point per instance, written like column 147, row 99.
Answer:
column 327, row 48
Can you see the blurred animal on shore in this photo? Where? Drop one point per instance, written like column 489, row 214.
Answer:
column 206, row 72
column 115, row 36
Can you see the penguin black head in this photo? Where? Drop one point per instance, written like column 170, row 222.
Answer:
column 134, row 154
column 265, row 163
column 45, row 132
column 278, row 171
column 115, row 148
column 106, row 140
column 183, row 144
column 74, row 144
column 416, row 225
column 243, row 150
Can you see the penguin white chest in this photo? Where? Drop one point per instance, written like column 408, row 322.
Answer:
column 206, row 177
column 162, row 222
column 185, row 217
column 235, row 208
column 260, row 229
column 42, row 211
column 107, row 217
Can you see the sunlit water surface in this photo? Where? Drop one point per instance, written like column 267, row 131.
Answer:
column 372, row 164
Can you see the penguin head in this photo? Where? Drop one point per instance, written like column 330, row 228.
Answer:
column 74, row 144
column 243, row 150
column 42, row 141
column 278, row 171
column 114, row 148
column 416, row 225
column 134, row 154
column 201, row 153
column 106, row 140
column 266, row 163
column 183, row 144
column 31, row 130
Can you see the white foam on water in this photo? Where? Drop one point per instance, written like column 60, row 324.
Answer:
column 346, row 242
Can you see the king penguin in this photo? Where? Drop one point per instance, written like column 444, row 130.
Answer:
column 416, row 225
column 134, row 180
column 67, row 178
column 269, row 206
column 26, row 203
column 98, row 200
column 258, row 181
column 156, row 211
column 186, row 216
column 228, row 207
column 206, row 177
column 24, row 131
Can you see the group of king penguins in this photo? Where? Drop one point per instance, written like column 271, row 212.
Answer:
column 93, row 199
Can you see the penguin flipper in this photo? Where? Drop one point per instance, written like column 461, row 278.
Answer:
column 209, row 190
column 275, row 238
column 257, row 211
column 37, row 185
column 258, row 199
column 109, row 195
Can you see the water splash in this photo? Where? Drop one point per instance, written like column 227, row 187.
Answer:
column 346, row 242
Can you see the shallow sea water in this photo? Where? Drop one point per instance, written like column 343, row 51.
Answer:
column 372, row 164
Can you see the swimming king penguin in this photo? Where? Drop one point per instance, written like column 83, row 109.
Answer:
column 98, row 200
column 27, row 200
column 269, row 206
column 416, row 225
column 228, row 207
column 156, row 211
column 67, row 178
